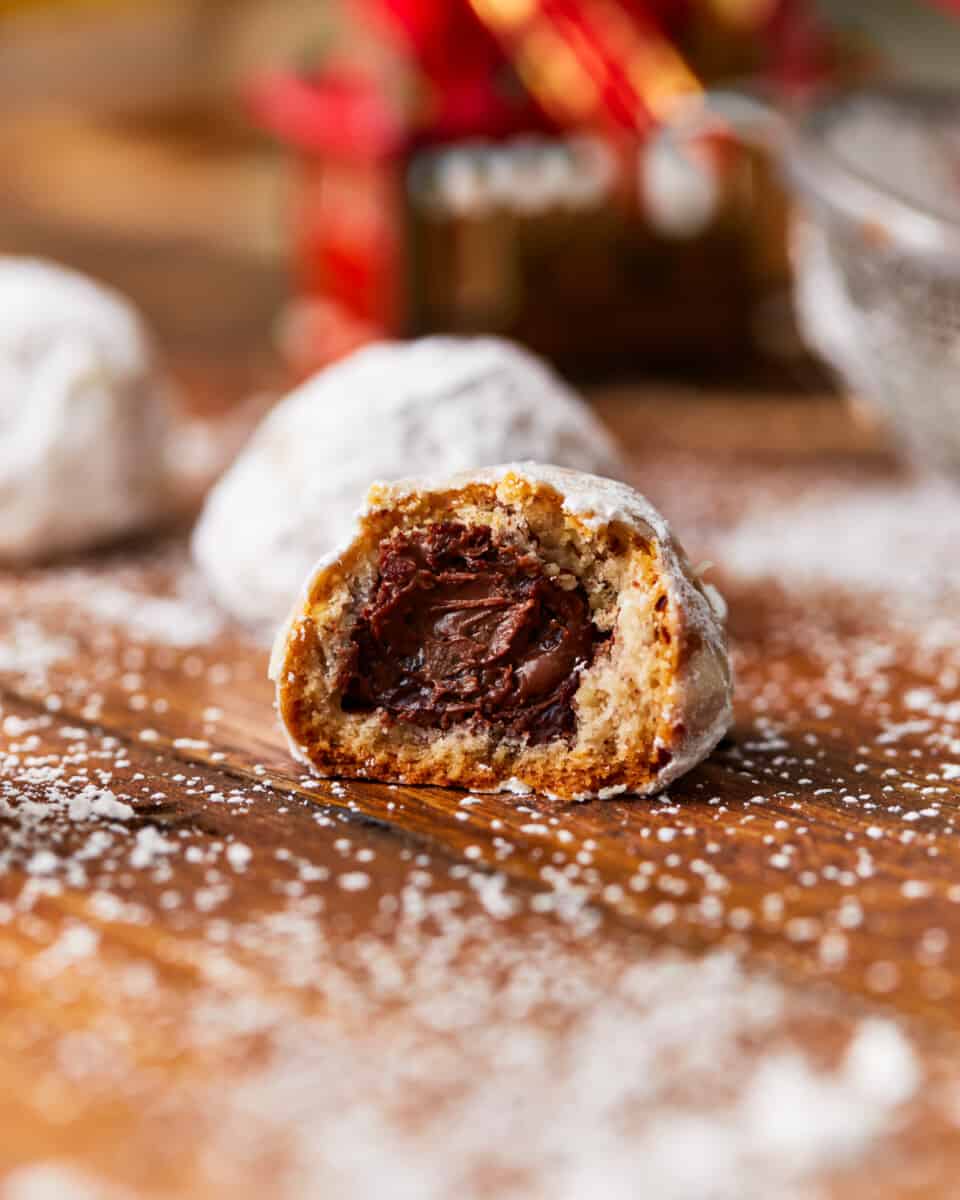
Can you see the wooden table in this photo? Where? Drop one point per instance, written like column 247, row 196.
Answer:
column 221, row 977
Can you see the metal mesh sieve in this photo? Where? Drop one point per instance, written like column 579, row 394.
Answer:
column 876, row 243
column 890, row 331
column 876, row 251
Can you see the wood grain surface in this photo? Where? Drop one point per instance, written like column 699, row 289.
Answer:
column 818, row 845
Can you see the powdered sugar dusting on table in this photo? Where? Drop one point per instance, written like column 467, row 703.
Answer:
column 900, row 541
column 472, row 1031
column 613, row 1115
column 174, row 610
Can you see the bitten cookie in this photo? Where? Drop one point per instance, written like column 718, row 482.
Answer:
column 84, row 414
column 525, row 627
column 438, row 404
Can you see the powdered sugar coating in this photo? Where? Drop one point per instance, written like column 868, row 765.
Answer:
column 595, row 500
column 84, row 414
column 439, row 404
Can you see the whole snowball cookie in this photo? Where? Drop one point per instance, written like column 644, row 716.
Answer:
column 84, row 416
column 437, row 405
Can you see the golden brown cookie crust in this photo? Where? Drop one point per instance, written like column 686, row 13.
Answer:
column 652, row 704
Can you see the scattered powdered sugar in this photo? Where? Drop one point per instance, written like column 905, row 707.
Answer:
column 92, row 801
column 185, row 619
column 901, row 540
column 150, row 846
column 795, row 1116
column 515, row 786
column 86, row 804
column 155, row 598
column 468, row 1036
column 354, row 881
column 52, row 1181
column 239, row 855
column 647, row 1081
column 43, row 862
column 29, row 649
column 880, row 1063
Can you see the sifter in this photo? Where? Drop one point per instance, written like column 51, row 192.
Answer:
column 875, row 243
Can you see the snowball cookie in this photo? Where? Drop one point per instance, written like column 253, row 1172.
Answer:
column 436, row 405
column 523, row 627
column 83, row 414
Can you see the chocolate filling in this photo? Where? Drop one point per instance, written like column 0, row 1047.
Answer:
column 460, row 630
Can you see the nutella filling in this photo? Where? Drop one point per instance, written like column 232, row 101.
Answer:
column 460, row 630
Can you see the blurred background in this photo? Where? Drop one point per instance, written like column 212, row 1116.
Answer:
column 277, row 181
